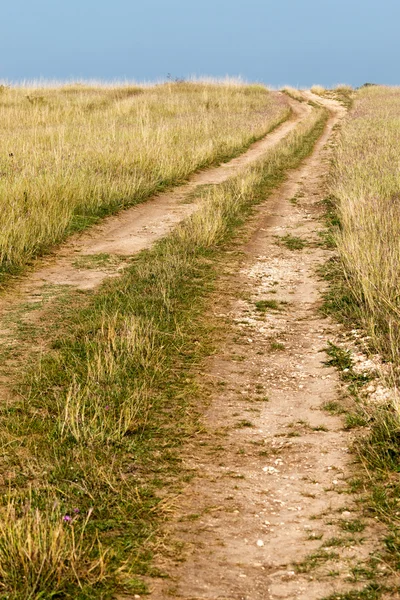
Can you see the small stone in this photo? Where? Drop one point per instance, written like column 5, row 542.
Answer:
column 260, row 543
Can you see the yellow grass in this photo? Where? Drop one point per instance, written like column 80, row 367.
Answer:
column 40, row 552
column 293, row 93
column 318, row 89
column 366, row 182
column 72, row 153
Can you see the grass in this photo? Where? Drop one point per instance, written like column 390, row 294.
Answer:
column 276, row 346
column 370, row 592
column 293, row 93
column 99, row 261
column 264, row 305
column 316, row 559
column 354, row 526
column 292, row 242
column 366, row 184
column 364, row 291
column 343, row 93
column 75, row 153
column 100, row 420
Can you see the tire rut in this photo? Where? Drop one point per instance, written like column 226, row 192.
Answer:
column 269, row 515
column 101, row 252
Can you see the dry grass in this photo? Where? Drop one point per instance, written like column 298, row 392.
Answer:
column 343, row 87
column 366, row 182
column 42, row 552
column 293, row 93
column 318, row 89
column 72, row 153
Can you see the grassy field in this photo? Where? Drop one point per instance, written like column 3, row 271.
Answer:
column 365, row 290
column 71, row 154
column 90, row 453
column 366, row 183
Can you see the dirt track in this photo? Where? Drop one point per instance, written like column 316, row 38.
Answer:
column 138, row 228
column 272, row 470
column 89, row 258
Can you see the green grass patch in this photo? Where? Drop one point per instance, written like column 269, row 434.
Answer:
column 265, row 305
column 292, row 242
column 370, row 592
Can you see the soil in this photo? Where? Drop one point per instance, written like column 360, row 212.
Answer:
column 269, row 514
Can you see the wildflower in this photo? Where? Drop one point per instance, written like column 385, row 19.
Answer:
column 67, row 519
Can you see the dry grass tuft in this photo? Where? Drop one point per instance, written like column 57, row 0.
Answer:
column 41, row 552
column 318, row 89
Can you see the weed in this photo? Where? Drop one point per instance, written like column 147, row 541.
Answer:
column 315, row 536
column 98, row 261
column 314, row 560
column 371, row 592
column 292, row 242
column 264, row 305
column 354, row 526
column 353, row 420
column 341, row 359
column 277, row 346
column 333, row 407
column 244, row 423
column 320, row 428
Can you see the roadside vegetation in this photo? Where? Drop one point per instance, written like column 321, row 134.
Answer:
column 343, row 93
column 72, row 154
column 363, row 213
column 366, row 184
column 89, row 458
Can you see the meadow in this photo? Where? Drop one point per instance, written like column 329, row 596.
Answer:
column 366, row 184
column 365, row 291
column 74, row 153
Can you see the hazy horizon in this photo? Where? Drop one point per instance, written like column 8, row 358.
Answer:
column 292, row 43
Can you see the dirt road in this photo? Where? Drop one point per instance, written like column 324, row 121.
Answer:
column 268, row 515
column 89, row 258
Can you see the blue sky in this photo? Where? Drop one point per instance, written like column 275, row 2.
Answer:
column 297, row 42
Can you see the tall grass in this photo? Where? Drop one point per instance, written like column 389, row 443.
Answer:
column 366, row 183
column 73, row 153
column 101, row 418
column 366, row 286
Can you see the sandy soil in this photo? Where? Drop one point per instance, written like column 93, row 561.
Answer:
column 272, row 470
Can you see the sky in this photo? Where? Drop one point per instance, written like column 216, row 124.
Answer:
column 278, row 42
